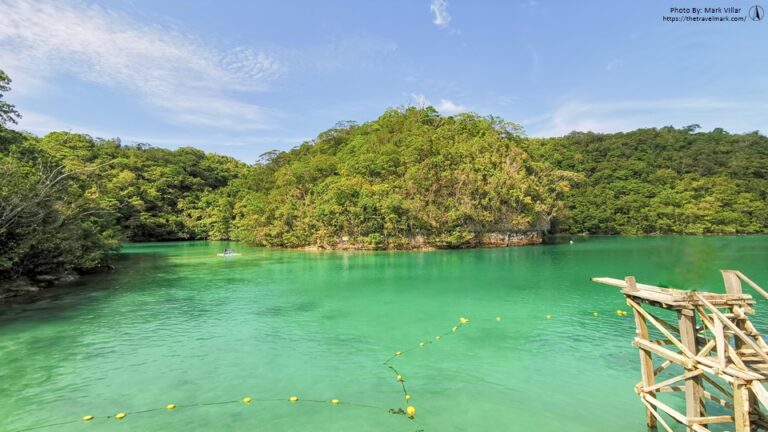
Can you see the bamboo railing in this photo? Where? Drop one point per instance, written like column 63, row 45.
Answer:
column 714, row 352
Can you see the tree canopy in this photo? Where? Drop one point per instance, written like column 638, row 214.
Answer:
column 411, row 178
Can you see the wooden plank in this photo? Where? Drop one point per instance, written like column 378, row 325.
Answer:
column 740, row 334
column 623, row 284
column 662, row 367
column 735, row 357
column 663, row 352
column 720, row 401
column 656, row 415
column 710, row 420
column 741, row 407
column 646, row 364
column 631, row 283
column 760, row 393
column 666, row 408
column 730, row 371
column 720, row 342
column 750, row 328
column 732, row 282
column 683, row 349
column 749, row 282
column 669, row 326
column 706, row 349
column 685, row 376
column 694, row 401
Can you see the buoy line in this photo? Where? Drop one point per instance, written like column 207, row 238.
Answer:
column 409, row 411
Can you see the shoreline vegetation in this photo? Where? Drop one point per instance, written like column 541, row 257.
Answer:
column 411, row 179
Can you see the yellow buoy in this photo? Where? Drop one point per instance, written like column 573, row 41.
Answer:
column 335, row 401
column 293, row 399
column 463, row 320
column 498, row 318
column 437, row 338
column 411, row 411
column 454, row 329
column 618, row 312
column 247, row 400
column 400, row 378
column 397, row 354
column 120, row 415
column 407, row 397
column 421, row 344
column 595, row 314
column 87, row 418
column 170, row 406
column 549, row 317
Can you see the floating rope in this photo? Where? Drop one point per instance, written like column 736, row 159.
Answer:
column 409, row 410
column 170, row 407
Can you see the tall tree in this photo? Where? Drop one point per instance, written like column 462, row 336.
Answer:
column 8, row 112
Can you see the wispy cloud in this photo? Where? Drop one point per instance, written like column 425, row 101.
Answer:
column 613, row 64
column 629, row 115
column 440, row 9
column 189, row 81
column 445, row 106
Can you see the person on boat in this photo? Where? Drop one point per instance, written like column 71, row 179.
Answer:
column 228, row 251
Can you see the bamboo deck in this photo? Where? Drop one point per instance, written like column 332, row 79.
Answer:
column 718, row 359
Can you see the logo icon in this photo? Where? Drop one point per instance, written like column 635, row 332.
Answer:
column 756, row 13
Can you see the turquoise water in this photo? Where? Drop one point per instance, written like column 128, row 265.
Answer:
column 177, row 324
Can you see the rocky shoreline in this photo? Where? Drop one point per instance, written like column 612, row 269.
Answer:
column 490, row 239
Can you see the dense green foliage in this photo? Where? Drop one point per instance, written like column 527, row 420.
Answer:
column 411, row 178
column 68, row 200
column 410, row 174
column 663, row 181
column 8, row 112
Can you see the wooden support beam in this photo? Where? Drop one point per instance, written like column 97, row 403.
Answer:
column 646, row 366
column 663, row 352
column 741, row 407
column 749, row 282
column 662, row 367
column 732, row 281
column 694, row 401
column 685, row 376
column 720, row 401
column 683, row 349
column 725, row 392
column 735, row 329
column 656, row 415
column 760, row 393
column 720, row 343
column 666, row 408
column 735, row 354
column 710, row 420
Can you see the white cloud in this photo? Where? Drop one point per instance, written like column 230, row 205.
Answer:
column 445, row 106
column 189, row 81
column 613, row 64
column 630, row 115
column 448, row 107
column 440, row 9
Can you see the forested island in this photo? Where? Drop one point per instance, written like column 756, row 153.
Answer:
column 410, row 179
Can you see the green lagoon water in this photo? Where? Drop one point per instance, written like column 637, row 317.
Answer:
column 177, row 324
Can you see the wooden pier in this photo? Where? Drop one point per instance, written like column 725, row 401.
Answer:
column 704, row 346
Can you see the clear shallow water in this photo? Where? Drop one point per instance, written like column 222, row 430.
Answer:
column 177, row 324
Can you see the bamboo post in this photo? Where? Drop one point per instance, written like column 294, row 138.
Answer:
column 646, row 367
column 694, row 399
column 736, row 355
column 732, row 281
column 741, row 406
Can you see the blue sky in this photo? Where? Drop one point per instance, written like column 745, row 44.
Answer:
column 241, row 78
